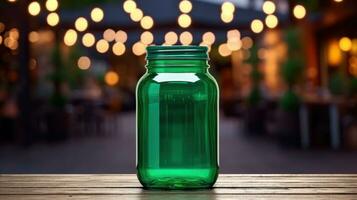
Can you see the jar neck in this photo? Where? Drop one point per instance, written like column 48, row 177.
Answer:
column 177, row 66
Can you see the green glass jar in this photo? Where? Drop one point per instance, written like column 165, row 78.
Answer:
column 177, row 119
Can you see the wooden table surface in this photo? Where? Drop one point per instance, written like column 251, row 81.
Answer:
column 228, row 186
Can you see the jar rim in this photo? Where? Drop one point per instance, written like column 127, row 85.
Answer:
column 176, row 52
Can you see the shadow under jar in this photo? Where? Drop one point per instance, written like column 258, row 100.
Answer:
column 177, row 120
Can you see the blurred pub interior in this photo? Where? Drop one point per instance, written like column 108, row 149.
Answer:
column 287, row 71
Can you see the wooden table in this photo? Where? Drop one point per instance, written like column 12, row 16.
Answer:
column 228, row 186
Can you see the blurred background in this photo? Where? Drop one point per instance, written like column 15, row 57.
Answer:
column 287, row 71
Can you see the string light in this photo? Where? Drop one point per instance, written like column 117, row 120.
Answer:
column 34, row 36
column 227, row 17
column 0, row 39
column 53, row 19
column 208, row 38
column 271, row 21
column 186, row 38
column 227, row 12
column 34, row 8
column 147, row 22
column 223, row 50
column 70, row 37
column 136, row 15
column 147, row 38
column 234, row 33
column 97, row 14
column 345, row 44
column 111, row 78
column 257, row 26
column 88, row 40
column 139, row 48
column 51, row 5
column 269, row 7
column 14, row 33
column 102, row 46
column 228, row 7
column 299, row 11
column 171, row 38
column 247, row 42
column 109, row 35
column 234, row 44
column 185, row 6
column 84, row 63
column 121, row 36
column 129, row 6
column 81, row 24
column 184, row 20
column 118, row 48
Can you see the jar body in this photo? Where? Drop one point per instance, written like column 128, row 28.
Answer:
column 177, row 129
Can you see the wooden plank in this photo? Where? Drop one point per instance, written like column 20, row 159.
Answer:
column 219, row 184
column 177, row 197
column 126, row 191
column 242, row 181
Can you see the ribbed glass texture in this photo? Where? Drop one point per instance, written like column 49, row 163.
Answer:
column 177, row 120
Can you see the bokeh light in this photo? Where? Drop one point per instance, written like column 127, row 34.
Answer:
column 147, row 22
column 111, row 78
column 34, row 36
column 129, row 6
column 118, row 48
column 51, row 5
column 84, row 63
column 70, row 37
column 228, row 7
column 121, row 36
column 345, row 44
column 81, row 24
column 208, row 38
column 139, row 48
column 136, row 15
column 102, row 46
column 269, row 7
column 234, row 44
column 227, row 17
column 109, row 35
column 34, row 8
column 171, row 38
column 299, row 11
column 247, row 42
column 185, row 6
column 223, row 50
column 234, row 33
column 147, row 38
column 186, row 38
column 271, row 21
column 53, row 19
column 97, row 14
column 257, row 26
column 184, row 20
column 88, row 40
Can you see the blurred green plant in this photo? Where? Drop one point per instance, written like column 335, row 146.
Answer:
column 337, row 84
column 353, row 86
column 58, row 76
column 292, row 69
column 255, row 96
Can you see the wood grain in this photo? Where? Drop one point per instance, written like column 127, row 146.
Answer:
column 229, row 186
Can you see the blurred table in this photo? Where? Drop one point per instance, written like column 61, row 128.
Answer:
column 228, row 186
